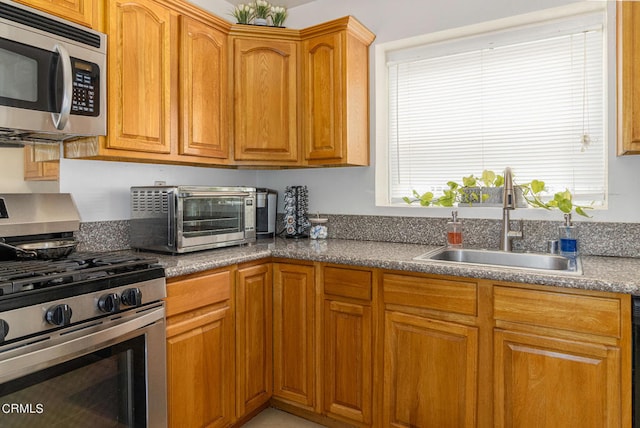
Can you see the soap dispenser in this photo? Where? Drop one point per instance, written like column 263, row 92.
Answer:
column 568, row 235
column 454, row 231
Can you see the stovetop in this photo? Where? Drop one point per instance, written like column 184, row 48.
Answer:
column 40, row 280
column 39, row 296
column 25, row 275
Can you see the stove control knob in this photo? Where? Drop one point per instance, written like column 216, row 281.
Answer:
column 59, row 315
column 132, row 297
column 109, row 303
column 4, row 330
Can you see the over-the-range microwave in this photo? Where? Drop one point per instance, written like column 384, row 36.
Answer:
column 180, row 219
column 53, row 77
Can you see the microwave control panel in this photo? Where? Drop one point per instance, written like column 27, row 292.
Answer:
column 86, row 88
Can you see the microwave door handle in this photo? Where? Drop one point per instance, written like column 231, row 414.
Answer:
column 60, row 119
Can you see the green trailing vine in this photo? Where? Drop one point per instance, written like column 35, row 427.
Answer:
column 456, row 193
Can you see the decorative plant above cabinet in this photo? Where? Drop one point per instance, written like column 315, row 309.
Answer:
column 261, row 12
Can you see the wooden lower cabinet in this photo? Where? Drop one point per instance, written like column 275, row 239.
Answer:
column 294, row 362
column 254, row 363
column 356, row 346
column 560, row 359
column 348, row 360
column 549, row 382
column 347, row 353
column 200, row 364
column 430, row 372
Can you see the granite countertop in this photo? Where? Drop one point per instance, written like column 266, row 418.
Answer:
column 616, row 274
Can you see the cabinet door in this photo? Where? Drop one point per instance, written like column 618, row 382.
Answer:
column 265, row 96
column 293, row 334
column 39, row 171
column 430, row 372
column 139, row 76
column 335, row 96
column 347, row 359
column 254, row 306
column 545, row 382
column 78, row 11
column 324, row 97
column 203, row 90
column 200, row 370
column 628, row 43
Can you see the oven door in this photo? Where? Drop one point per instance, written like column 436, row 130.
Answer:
column 209, row 219
column 106, row 373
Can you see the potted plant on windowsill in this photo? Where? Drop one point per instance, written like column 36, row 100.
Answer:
column 488, row 191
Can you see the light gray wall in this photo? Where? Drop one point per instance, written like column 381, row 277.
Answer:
column 101, row 188
column 352, row 190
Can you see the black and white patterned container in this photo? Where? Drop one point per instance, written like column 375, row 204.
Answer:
column 296, row 205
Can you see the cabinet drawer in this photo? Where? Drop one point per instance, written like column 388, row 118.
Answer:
column 197, row 291
column 347, row 282
column 578, row 313
column 457, row 296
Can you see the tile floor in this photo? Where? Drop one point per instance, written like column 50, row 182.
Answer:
column 273, row 418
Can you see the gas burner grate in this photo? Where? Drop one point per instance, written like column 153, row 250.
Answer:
column 20, row 276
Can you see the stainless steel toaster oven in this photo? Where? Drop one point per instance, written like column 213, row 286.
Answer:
column 180, row 219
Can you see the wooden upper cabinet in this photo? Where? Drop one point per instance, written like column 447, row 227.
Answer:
column 83, row 12
column 628, row 79
column 203, row 90
column 168, row 85
column 335, row 93
column 36, row 170
column 266, row 99
column 139, row 76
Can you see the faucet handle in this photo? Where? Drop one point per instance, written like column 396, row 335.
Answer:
column 517, row 234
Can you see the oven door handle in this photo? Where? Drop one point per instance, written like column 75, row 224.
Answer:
column 171, row 221
column 209, row 194
column 64, row 350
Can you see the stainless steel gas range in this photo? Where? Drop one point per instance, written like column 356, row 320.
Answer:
column 82, row 337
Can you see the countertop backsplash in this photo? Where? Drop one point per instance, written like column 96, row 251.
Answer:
column 600, row 239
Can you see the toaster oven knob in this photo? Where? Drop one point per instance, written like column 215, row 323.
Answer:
column 59, row 315
column 4, row 330
column 109, row 303
column 132, row 297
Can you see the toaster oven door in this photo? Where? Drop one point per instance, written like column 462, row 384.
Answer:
column 211, row 220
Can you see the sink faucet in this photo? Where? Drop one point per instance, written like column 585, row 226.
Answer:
column 508, row 204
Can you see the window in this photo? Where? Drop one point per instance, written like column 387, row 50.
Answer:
column 531, row 97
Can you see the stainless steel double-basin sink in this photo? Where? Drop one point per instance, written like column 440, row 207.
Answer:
column 550, row 263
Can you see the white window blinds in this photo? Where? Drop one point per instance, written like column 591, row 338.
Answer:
column 531, row 98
